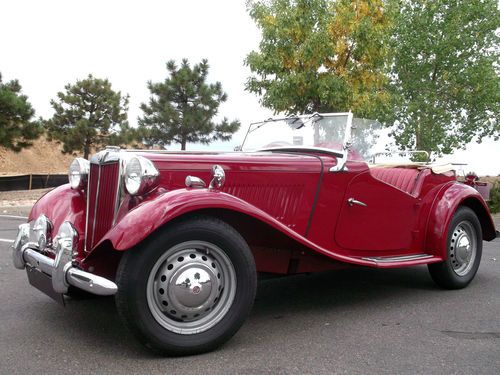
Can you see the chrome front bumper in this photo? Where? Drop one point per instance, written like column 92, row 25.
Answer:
column 26, row 253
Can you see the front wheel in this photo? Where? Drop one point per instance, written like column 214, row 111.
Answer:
column 189, row 288
column 464, row 249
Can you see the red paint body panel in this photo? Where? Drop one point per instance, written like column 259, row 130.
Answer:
column 447, row 201
column 63, row 204
column 294, row 195
column 388, row 211
column 154, row 213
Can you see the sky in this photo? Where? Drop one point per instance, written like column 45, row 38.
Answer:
column 48, row 44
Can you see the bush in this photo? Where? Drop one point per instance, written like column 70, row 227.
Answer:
column 494, row 201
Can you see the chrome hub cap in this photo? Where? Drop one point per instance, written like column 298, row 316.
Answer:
column 191, row 287
column 463, row 248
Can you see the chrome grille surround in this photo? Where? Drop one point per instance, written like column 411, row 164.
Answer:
column 104, row 194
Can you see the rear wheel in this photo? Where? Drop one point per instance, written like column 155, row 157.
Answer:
column 464, row 247
column 189, row 288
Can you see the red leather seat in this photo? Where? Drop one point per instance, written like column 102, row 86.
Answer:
column 405, row 179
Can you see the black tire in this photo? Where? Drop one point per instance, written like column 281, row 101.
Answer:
column 137, row 264
column 445, row 273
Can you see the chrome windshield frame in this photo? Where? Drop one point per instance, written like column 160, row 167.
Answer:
column 340, row 154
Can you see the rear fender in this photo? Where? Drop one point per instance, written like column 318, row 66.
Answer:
column 448, row 200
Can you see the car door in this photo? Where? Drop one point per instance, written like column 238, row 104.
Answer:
column 376, row 216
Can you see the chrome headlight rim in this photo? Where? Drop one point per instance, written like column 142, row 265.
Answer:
column 42, row 228
column 78, row 173
column 140, row 175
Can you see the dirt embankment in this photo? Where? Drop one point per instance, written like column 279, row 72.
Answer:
column 42, row 157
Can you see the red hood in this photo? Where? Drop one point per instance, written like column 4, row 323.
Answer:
column 233, row 161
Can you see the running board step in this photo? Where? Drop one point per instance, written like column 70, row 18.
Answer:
column 403, row 258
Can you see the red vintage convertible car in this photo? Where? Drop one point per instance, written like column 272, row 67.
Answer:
column 179, row 237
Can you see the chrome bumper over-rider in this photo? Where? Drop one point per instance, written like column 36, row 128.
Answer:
column 30, row 254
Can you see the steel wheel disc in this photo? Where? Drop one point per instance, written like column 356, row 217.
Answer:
column 191, row 287
column 463, row 248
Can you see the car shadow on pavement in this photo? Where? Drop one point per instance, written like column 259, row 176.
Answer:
column 345, row 287
column 95, row 323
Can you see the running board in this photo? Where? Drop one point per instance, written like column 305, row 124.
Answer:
column 404, row 258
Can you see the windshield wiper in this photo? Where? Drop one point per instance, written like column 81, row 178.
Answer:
column 288, row 119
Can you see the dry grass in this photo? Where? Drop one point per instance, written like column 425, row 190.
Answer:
column 43, row 157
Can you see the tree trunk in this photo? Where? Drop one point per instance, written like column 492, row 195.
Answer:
column 86, row 150
column 183, row 144
column 419, row 146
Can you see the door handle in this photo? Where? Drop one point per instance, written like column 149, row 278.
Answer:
column 351, row 202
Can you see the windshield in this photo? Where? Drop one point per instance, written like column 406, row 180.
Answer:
column 321, row 131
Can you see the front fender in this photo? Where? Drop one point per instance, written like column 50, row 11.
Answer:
column 144, row 219
column 62, row 204
column 447, row 201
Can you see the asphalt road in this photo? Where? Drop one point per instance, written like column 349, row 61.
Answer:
column 355, row 321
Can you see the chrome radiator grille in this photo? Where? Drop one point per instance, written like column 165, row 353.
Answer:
column 102, row 199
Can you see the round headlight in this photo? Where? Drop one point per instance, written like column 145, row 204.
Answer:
column 67, row 231
column 78, row 172
column 43, row 230
column 141, row 176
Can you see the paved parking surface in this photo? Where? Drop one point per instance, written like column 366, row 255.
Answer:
column 355, row 322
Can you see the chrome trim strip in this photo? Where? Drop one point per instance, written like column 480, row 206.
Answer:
column 96, row 203
column 87, row 213
column 119, row 189
column 398, row 258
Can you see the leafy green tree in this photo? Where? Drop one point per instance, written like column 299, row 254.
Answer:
column 321, row 56
column 17, row 127
column 494, row 202
column 182, row 107
column 89, row 114
column 445, row 73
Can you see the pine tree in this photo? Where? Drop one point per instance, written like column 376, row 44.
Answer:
column 182, row 108
column 17, row 127
column 89, row 114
